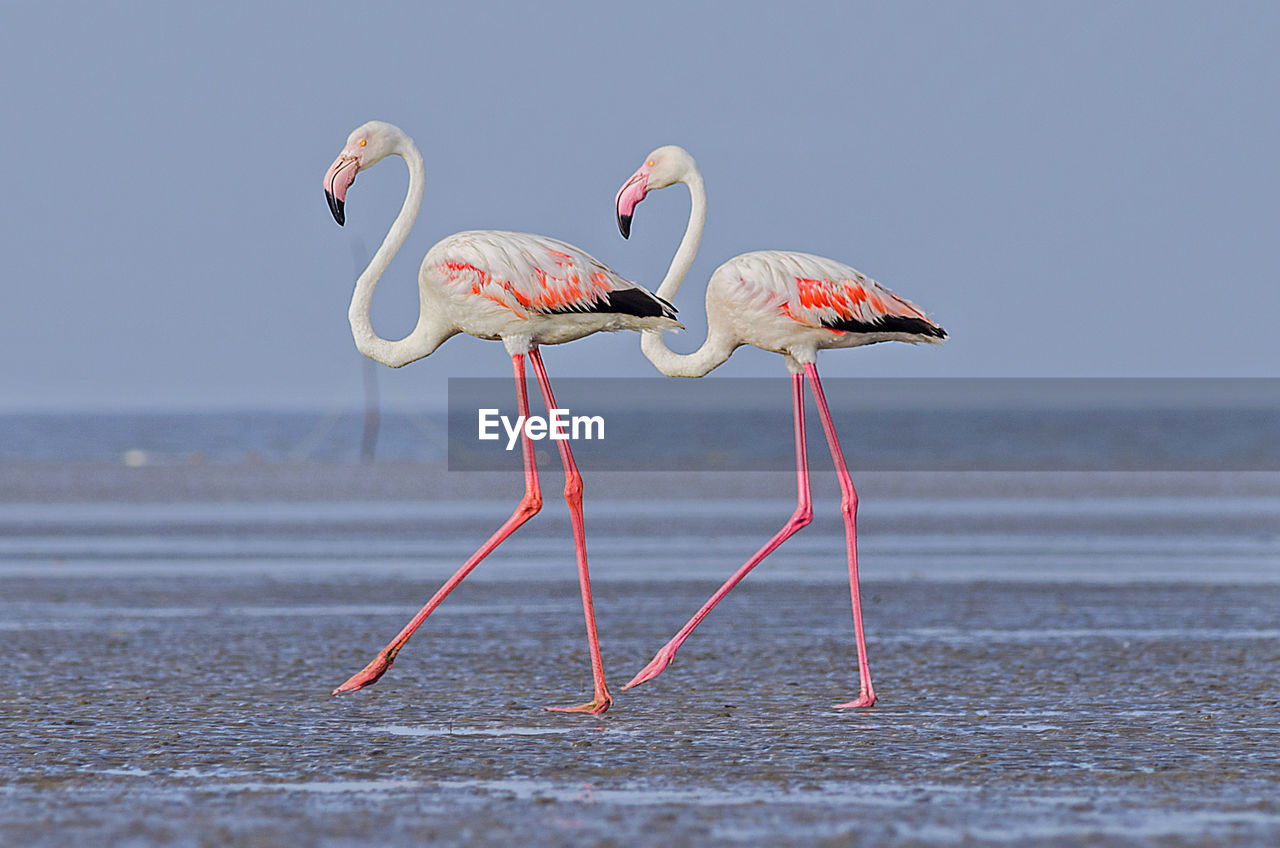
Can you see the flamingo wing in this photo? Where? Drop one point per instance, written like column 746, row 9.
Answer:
column 534, row 275
column 818, row 292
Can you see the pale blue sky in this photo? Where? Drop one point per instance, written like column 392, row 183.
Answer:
column 1071, row 189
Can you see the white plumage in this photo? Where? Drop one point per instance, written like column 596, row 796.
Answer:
column 793, row 303
column 496, row 284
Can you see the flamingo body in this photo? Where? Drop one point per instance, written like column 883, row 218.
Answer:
column 796, row 304
column 494, row 284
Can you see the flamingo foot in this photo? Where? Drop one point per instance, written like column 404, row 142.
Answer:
column 865, row 700
column 596, row 707
column 368, row 675
column 659, row 662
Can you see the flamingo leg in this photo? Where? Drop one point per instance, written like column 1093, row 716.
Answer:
column 849, row 510
column 573, row 495
column 528, row 507
column 800, row 518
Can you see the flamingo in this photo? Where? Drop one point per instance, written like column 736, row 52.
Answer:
column 790, row 303
column 521, row 289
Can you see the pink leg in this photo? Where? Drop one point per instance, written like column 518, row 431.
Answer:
column 849, row 509
column 529, row 506
column 573, row 494
column 801, row 517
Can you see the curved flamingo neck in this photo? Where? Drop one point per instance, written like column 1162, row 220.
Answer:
column 688, row 249
column 428, row 334
column 716, row 349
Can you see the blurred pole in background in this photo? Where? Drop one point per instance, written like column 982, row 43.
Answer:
column 372, row 417
column 369, row 441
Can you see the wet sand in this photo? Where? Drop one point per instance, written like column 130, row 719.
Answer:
column 168, row 668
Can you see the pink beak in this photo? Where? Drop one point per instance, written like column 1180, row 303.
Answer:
column 339, row 177
column 629, row 197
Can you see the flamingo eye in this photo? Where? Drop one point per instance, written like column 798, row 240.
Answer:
column 363, row 142
column 650, row 163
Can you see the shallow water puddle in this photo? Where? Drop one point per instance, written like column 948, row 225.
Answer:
column 531, row 789
column 406, row 730
column 325, row 787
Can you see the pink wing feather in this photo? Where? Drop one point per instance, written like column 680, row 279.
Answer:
column 534, row 275
column 818, row 292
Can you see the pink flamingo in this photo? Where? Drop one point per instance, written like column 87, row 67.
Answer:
column 524, row 290
column 794, row 304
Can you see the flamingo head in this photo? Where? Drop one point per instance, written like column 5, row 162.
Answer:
column 366, row 146
column 663, row 167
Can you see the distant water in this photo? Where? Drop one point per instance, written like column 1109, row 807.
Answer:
column 217, row 437
column 1223, row 439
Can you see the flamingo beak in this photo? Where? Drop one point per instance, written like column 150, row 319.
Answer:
column 339, row 177
column 629, row 196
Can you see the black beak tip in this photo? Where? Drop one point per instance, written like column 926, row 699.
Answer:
column 624, row 226
column 336, row 206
